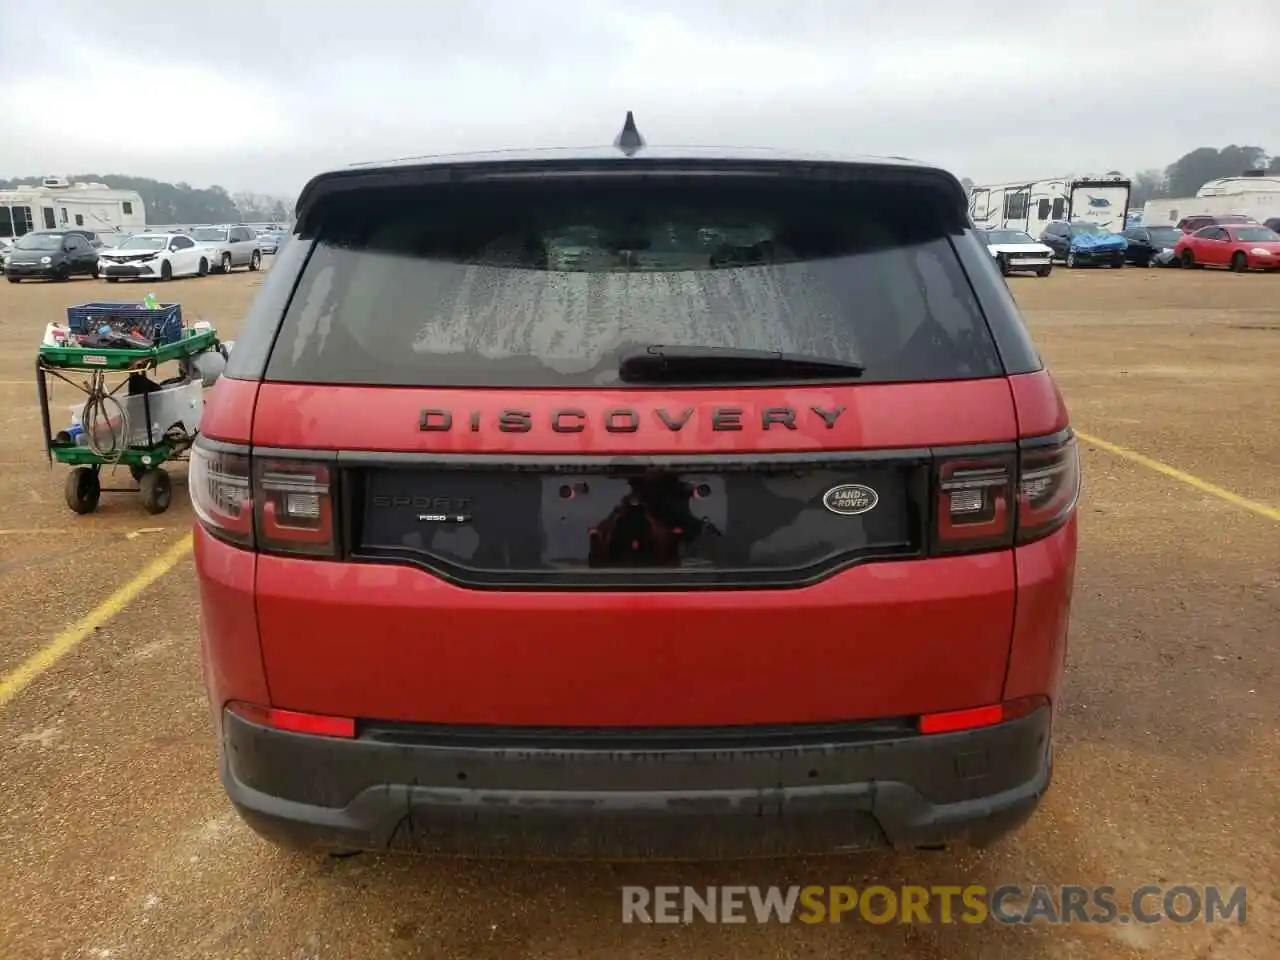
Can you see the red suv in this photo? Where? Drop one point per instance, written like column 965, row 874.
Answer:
column 634, row 501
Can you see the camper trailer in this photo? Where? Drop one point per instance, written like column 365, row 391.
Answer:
column 55, row 203
column 1031, row 206
column 1254, row 194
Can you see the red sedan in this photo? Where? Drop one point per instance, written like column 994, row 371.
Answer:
column 1238, row 246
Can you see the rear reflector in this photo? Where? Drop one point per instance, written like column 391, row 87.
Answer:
column 315, row 724
column 974, row 718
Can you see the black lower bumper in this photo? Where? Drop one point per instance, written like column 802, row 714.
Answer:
column 694, row 801
column 26, row 272
column 1100, row 258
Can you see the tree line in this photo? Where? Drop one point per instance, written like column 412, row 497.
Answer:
column 183, row 203
column 1186, row 175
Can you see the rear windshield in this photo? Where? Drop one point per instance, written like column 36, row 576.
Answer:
column 550, row 284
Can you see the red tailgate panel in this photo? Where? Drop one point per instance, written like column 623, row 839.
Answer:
column 879, row 416
column 395, row 642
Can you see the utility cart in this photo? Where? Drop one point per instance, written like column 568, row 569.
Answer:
column 138, row 422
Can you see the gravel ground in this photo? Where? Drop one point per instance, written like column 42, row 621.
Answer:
column 121, row 844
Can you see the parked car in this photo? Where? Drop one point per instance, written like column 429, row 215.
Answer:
column 494, row 545
column 1240, row 247
column 1273, row 223
column 269, row 242
column 51, row 255
column 1151, row 246
column 1080, row 243
column 160, row 256
column 1200, row 221
column 229, row 246
column 1017, row 252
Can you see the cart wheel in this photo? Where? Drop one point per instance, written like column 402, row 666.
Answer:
column 83, row 490
column 157, row 491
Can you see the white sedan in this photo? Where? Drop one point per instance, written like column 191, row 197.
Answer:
column 1016, row 252
column 151, row 256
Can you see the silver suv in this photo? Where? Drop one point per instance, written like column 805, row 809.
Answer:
column 229, row 246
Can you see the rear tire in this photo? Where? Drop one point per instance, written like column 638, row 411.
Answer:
column 157, row 491
column 1003, row 262
column 1044, row 271
column 1239, row 263
column 14, row 279
column 83, row 490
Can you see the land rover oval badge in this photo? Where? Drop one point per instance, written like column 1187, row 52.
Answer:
column 850, row 499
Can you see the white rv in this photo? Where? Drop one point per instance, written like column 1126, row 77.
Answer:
column 58, row 204
column 1254, row 195
column 1030, row 206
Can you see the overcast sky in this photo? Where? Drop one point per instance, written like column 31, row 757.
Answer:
column 259, row 95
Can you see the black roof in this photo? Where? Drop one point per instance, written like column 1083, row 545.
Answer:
column 608, row 152
column 629, row 148
column 563, row 156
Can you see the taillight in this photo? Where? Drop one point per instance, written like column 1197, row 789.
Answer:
column 270, row 503
column 975, row 503
column 991, row 502
column 1048, row 487
column 293, row 506
column 218, row 482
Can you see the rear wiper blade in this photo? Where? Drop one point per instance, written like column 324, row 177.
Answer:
column 659, row 363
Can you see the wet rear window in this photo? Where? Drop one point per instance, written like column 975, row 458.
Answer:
column 550, row 283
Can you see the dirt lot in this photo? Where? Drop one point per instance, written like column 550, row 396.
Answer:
column 120, row 843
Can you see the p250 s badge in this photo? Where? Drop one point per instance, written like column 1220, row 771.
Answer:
column 850, row 499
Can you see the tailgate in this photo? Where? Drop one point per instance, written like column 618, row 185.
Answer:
column 527, row 534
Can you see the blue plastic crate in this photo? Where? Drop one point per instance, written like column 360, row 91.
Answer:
column 163, row 325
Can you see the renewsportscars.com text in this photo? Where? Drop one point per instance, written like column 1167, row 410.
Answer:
column 972, row 904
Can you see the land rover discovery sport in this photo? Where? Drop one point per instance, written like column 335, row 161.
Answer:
column 634, row 501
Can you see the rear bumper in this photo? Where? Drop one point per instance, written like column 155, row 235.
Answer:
column 448, row 796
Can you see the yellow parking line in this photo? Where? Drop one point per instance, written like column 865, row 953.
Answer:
column 1271, row 513
column 12, row 684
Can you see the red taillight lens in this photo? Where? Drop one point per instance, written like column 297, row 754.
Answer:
column 294, row 506
column 276, row 504
column 1048, row 488
column 975, row 503
column 985, row 503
